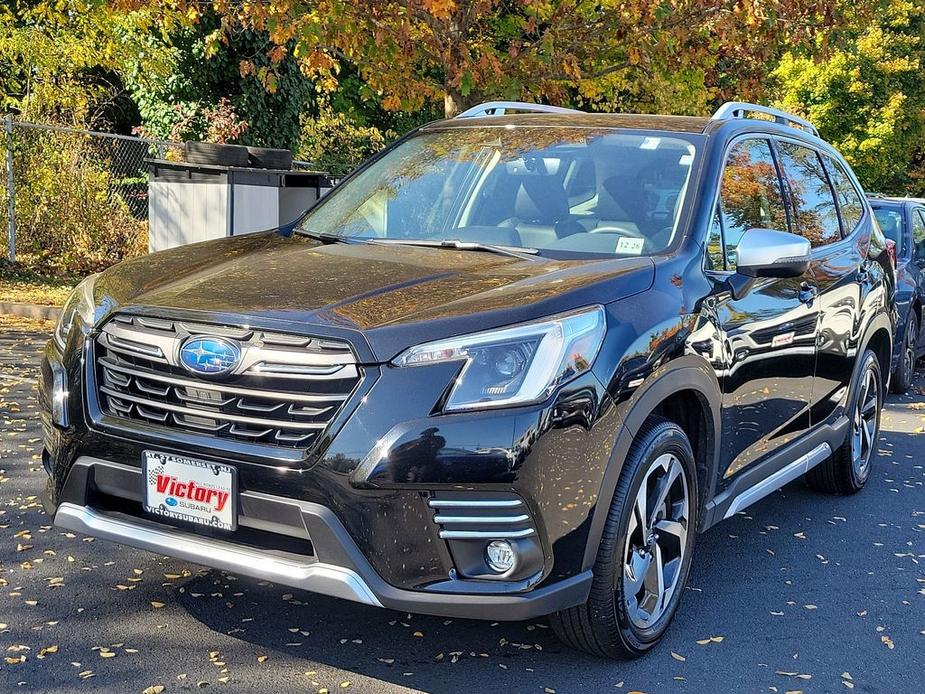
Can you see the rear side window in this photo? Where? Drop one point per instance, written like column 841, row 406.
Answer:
column 815, row 215
column 849, row 200
column 891, row 222
column 918, row 234
column 750, row 194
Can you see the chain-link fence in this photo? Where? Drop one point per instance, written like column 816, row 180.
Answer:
column 74, row 200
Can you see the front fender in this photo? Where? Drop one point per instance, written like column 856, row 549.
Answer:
column 689, row 372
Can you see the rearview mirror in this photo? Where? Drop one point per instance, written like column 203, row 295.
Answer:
column 772, row 253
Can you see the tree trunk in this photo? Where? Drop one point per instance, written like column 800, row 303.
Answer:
column 453, row 102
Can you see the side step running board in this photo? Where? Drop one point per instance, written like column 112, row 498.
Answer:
column 786, row 474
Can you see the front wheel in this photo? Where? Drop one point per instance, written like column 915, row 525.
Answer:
column 645, row 551
column 905, row 370
column 847, row 470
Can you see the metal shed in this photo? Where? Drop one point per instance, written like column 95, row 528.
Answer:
column 197, row 202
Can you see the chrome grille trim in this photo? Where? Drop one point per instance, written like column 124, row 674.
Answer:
column 132, row 348
column 470, row 516
column 474, row 503
column 485, row 534
column 284, row 392
column 221, row 387
column 209, row 414
column 446, row 520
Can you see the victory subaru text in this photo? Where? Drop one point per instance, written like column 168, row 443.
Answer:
column 510, row 367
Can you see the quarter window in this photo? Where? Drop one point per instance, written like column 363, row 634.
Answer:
column 750, row 195
column 849, row 200
column 815, row 215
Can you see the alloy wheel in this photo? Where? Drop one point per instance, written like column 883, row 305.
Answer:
column 656, row 541
column 866, row 423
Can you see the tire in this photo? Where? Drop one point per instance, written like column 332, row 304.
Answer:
column 266, row 158
column 848, row 469
column 614, row 621
column 905, row 370
column 214, row 154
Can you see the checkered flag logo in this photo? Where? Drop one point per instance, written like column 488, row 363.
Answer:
column 153, row 473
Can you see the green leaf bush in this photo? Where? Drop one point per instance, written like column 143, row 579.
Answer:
column 71, row 220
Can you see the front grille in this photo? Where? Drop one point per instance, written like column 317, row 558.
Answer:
column 284, row 391
column 469, row 516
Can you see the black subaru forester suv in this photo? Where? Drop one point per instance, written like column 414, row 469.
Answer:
column 510, row 367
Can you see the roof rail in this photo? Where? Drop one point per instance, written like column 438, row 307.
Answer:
column 741, row 109
column 498, row 108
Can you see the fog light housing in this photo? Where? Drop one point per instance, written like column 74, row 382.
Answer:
column 500, row 556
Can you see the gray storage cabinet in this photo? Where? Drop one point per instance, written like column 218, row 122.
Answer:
column 197, row 202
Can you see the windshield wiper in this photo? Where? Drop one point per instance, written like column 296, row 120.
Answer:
column 456, row 244
column 325, row 237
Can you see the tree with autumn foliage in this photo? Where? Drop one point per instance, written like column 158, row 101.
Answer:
column 669, row 55
column 62, row 61
column 868, row 97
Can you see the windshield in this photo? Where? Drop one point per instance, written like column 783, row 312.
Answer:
column 554, row 189
column 891, row 221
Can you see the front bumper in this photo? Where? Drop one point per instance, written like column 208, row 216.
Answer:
column 320, row 556
column 360, row 521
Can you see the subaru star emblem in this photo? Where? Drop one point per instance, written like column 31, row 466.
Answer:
column 209, row 355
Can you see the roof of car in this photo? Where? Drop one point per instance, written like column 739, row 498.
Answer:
column 893, row 199
column 681, row 124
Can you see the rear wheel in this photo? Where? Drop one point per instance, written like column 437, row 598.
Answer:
column 645, row 551
column 847, row 470
column 905, row 370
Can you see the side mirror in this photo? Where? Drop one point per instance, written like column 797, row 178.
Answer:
column 772, row 253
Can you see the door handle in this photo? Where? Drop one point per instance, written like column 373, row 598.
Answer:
column 808, row 293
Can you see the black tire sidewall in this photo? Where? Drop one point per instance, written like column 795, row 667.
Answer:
column 903, row 375
column 868, row 362
column 664, row 437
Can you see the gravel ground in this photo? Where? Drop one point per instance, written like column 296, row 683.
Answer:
column 802, row 592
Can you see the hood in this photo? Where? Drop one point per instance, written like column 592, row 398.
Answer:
column 395, row 296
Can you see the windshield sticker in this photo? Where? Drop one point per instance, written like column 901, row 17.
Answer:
column 628, row 245
column 650, row 143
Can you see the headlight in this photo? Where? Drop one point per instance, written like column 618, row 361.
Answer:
column 78, row 307
column 515, row 366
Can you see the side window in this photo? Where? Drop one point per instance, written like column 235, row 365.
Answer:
column 715, row 243
column 815, row 215
column 892, row 225
column 918, row 234
column 750, row 194
column 849, row 200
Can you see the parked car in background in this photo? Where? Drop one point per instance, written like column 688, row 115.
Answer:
column 903, row 222
column 510, row 367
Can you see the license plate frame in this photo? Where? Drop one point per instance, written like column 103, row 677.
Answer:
column 157, row 464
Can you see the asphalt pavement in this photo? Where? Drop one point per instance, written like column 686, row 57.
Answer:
column 801, row 592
